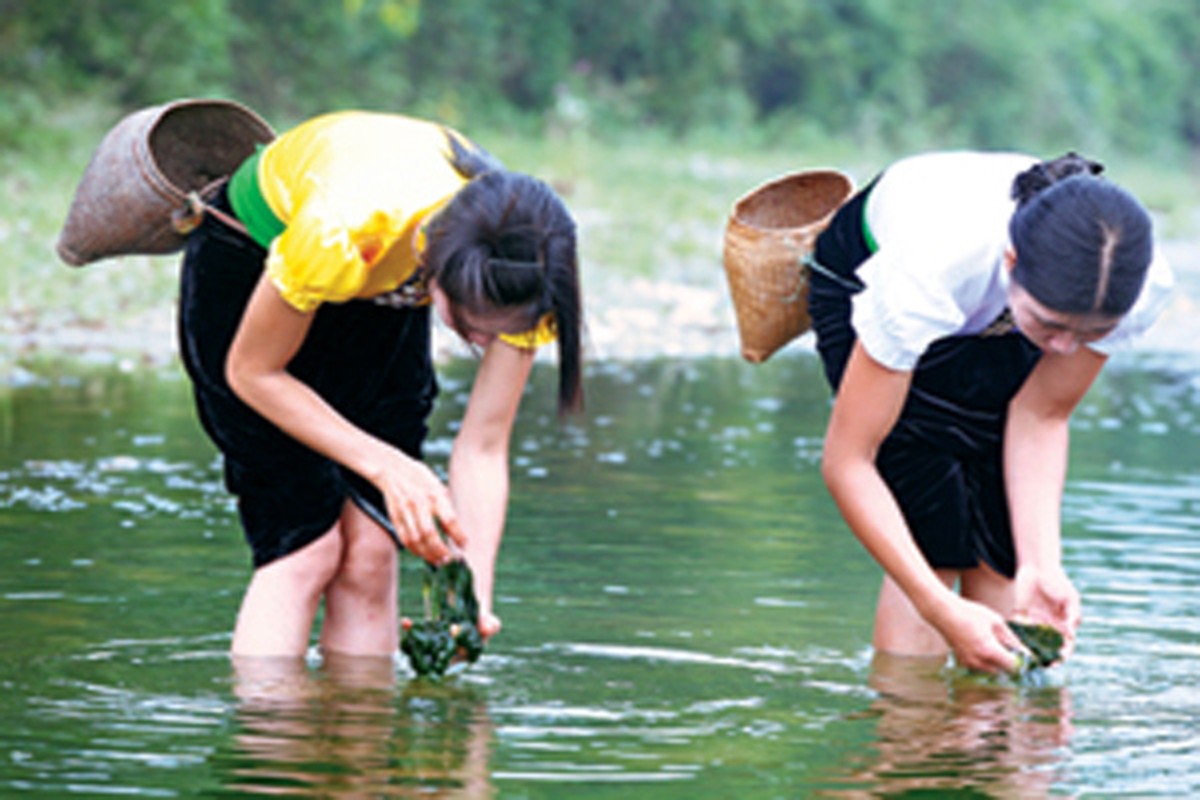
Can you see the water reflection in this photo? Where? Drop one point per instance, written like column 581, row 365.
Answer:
column 351, row 729
column 980, row 736
column 686, row 615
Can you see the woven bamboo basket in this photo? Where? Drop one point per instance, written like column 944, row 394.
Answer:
column 143, row 170
column 770, row 232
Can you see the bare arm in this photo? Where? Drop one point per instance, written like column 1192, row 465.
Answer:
column 1035, row 466
column 866, row 409
column 270, row 335
column 479, row 463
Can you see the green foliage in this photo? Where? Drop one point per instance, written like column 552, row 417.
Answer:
column 293, row 59
column 898, row 73
column 147, row 50
column 1043, row 642
column 450, row 627
column 400, row 16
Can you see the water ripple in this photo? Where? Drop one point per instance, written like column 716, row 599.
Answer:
column 669, row 656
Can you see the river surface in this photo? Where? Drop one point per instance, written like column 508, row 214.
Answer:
column 685, row 615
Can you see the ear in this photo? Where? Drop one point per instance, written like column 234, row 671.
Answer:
column 1010, row 258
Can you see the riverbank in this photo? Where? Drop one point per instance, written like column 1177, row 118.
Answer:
column 650, row 208
column 634, row 318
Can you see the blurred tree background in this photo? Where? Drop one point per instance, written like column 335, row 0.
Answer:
column 1092, row 74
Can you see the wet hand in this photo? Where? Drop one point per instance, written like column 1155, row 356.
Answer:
column 981, row 639
column 1047, row 596
column 418, row 503
column 489, row 624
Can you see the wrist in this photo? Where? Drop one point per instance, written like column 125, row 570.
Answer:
column 1036, row 566
column 373, row 471
column 1038, row 552
column 371, row 462
column 936, row 605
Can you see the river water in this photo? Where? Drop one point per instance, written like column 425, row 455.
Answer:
column 685, row 614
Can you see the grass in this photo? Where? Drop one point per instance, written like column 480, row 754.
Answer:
column 648, row 205
column 36, row 288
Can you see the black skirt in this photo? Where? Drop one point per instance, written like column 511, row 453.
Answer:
column 943, row 461
column 370, row 362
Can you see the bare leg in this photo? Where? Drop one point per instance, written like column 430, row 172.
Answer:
column 281, row 601
column 900, row 630
column 984, row 585
column 361, row 616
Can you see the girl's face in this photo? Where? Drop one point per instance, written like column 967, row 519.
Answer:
column 1054, row 331
column 481, row 329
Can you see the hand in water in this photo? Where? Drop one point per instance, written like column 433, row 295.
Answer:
column 980, row 638
column 1047, row 597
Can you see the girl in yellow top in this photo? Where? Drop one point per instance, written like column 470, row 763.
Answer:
column 307, row 340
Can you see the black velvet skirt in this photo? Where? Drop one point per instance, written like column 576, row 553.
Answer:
column 943, row 461
column 371, row 362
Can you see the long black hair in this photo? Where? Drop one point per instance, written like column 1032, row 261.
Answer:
column 1083, row 244
column 506, row 241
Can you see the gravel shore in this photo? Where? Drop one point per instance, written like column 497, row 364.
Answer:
column 640, row 318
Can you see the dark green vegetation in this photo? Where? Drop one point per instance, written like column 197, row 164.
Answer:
column 450, row 628
column 1098, row 75
column 1044, row 643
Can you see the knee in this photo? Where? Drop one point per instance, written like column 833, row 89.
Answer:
column 368, row 563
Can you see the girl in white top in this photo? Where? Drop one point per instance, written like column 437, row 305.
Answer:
column 964, row 303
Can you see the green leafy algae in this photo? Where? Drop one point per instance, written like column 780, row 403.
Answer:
column 1043, row 642
column 450, row 630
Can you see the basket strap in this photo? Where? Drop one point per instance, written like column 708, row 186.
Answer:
column 187, row 217
column 229, row 220
column 851, row 284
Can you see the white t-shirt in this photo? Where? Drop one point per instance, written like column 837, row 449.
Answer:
column 941, row 223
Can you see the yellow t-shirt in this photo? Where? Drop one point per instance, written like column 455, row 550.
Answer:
column 352, row 190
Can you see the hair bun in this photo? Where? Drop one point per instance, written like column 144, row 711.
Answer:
column 1046, row 173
